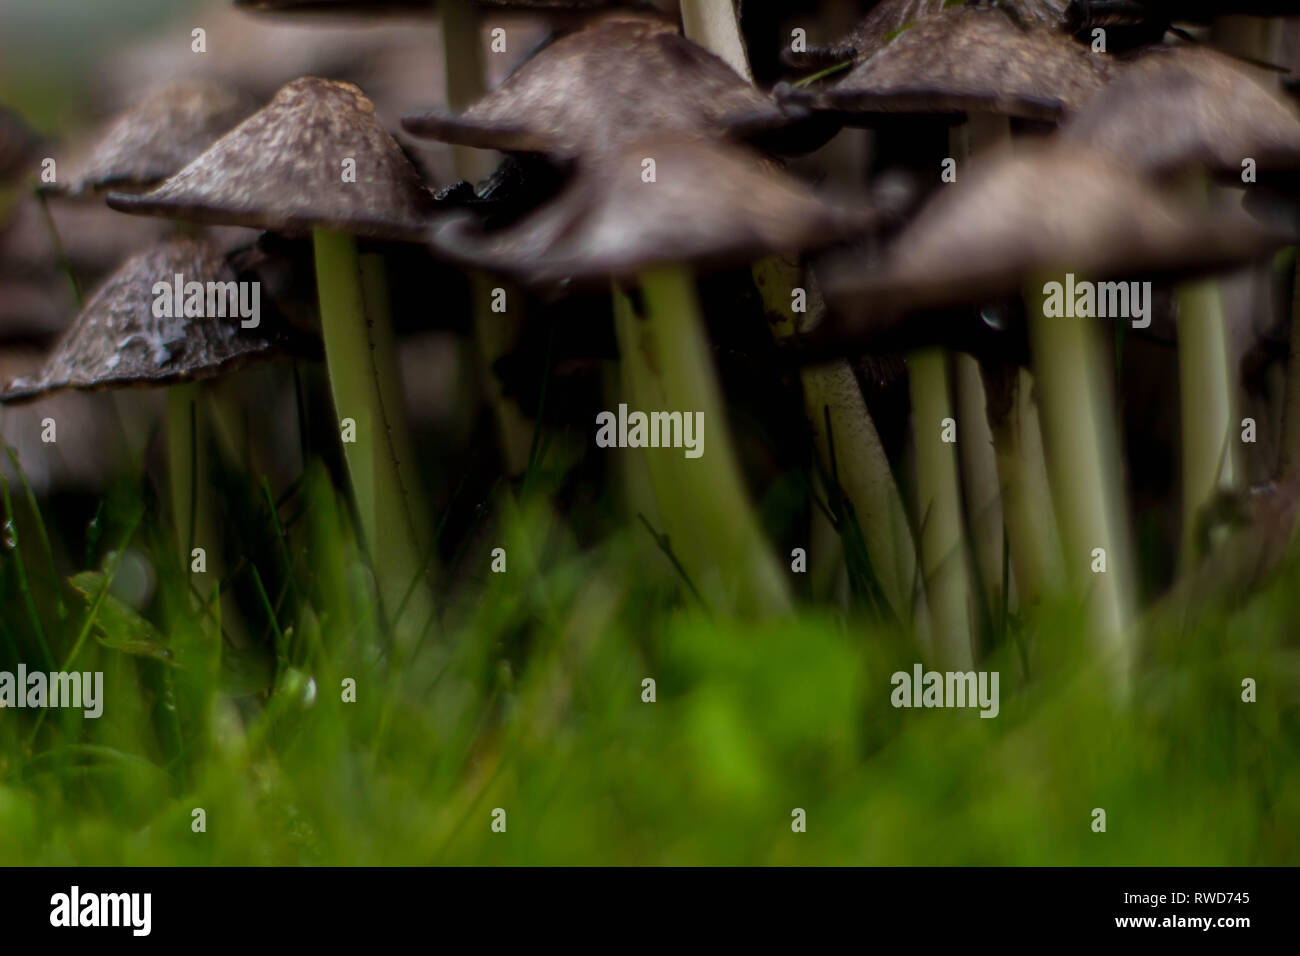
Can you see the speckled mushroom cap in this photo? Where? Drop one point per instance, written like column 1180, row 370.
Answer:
column 155, row 138
column 968, row 59
column 709, row 205
column 118, row 341
column 282, row 169
column 1182, row 108
column 1016, row 217
column 621, row 78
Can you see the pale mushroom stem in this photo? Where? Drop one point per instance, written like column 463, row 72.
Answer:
column 704, row 503
column 944, row 559
column 713, row 24
column 1204, row 377
column 1032, row 541
column 980, row 480
column 361, row 361
column 862, row 468
column 1083, row 460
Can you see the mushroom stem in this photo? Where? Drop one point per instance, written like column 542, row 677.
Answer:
column 713, row 24
column 183, row 452
column 1083, row 464
column 862, row 467
column 938, row 500
column 1032, row 541
column 703, row 500
column 979, row 468
column 362, row 369
column 980, row 484
column 1204, row 376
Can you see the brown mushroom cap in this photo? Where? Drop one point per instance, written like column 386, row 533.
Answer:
column 339, row 6
column 965, row 60
column 1052, row 14
column 282, row 170
column 1181, row 108
column 1017, row 217
column 885, row 20
column 709, row 205
column 156, row 138
column 117, row 340
column 622, row 78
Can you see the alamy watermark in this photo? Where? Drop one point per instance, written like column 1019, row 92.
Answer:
column 651, row 430
column 179, row 299
column 923, row 688
column 75, row 689
column 1098, row 300
column 74, row 908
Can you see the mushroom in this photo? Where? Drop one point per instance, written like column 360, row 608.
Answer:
column 622, row 78
column 988, row 67
column 1177, row 109
column 709, row 204
column 885, row 20
column 1179, row 112
column 965, row 60
column 129, row 334
column 119, row 340
column 1015, row 220
column 706, row 205
column 155, row 138
column 316, row 160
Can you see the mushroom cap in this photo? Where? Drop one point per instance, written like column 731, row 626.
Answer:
column 1018, row 217
column 156, row 138
column 398, row 7
column 710, row 205
column 1053, row 14
column 621, row 78
column 118, row 341
column 965, row 60
column 1178, row 108
column 282, row 170
column 886, row 19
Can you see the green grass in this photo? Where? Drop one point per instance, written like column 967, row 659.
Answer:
column 529, row 699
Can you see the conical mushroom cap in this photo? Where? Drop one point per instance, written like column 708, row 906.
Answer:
column 117, row 340
column 1182, row 108
column 283, row 169
column 620, row 79
column 1023, row 217
column 885, row 20
column 969, row 60
column 156, row 138
column 708, row 205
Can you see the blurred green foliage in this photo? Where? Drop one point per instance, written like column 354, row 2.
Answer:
column 527, row 696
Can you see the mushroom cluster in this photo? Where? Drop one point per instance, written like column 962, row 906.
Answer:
column 995, row 214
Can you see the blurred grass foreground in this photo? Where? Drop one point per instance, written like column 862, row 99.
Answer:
column 565, row 691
